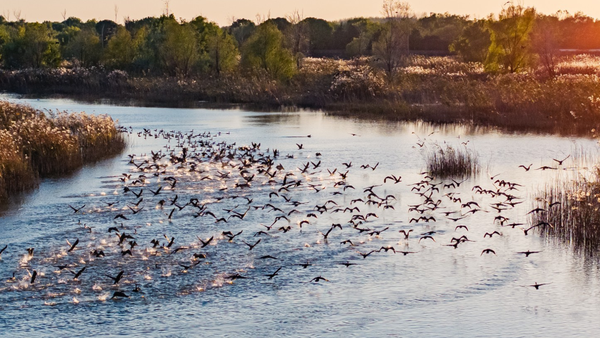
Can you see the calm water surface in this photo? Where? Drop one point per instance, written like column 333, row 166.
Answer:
column 434, row 290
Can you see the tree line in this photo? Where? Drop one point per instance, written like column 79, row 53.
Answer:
column 511, row 41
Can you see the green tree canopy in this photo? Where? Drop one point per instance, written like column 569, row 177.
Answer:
column 264, row 52
column 509, row 49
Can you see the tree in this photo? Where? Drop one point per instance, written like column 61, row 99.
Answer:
column 509, row 49
column 473, row 43
column 217, row 48
column 392, row 46
column 122, row 48
column 297, row 37
column 106, row 29
column 264, row 52
column 32, row 45
column 241, row 30
column 361, row 44
column 545, row 42
column 84, row 48
column 319, row 34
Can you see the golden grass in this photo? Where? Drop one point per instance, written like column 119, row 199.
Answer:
column 452, row 162
column 33, row 144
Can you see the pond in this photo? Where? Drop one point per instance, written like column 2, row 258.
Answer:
column 314, row 278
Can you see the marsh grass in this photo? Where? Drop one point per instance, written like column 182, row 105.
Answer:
column 572, row 204
column 431, row 89
column 34, row 144
column 452, row 161
column 576, row 218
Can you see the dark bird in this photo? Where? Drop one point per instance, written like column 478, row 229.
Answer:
column 1, row 251
column 305, row 265
column 121, row 216
column 72, row 245
column 527, row 253
column 426, row 237
column 393, row 178
column 300, row 146
column 205, row 243
column 77, row 274
column 274, row 273
column 487, row 251
column 526, row 168
column 33, row 276
column 406, row 252
column 560, row 162
column 251, row 246
column 365, row 255
column 536, row 210
column 405, row 232
column 537, row 286
column 491, row 234
column 318, row 279
column 76, row 210
column 117, row 278
column 461, row 226
column 347, row 264
column 119, row 294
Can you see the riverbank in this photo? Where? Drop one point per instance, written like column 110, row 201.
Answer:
column 34, row 144
column 432, row 89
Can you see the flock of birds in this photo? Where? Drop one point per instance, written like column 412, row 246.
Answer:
column 213, row 212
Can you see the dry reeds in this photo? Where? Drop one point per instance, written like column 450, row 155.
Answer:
column 572, row 213
column 34, row 145
column 432, row 89
column 452, row 162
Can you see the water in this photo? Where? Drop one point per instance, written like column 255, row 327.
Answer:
column 435, row 290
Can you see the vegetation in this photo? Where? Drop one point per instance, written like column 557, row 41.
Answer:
column 571, row 213
column 33, row 144
column 452, row 162
column 509, row 71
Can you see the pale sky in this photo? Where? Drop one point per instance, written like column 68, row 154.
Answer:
column 222, row 11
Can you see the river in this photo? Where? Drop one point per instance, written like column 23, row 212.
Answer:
column 301, row 280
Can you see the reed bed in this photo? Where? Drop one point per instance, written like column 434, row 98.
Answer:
column 432, row 89
column 452, row 162
column 572, row 213
column 34, row 144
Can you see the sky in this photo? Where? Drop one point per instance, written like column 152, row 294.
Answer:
column 224, row 12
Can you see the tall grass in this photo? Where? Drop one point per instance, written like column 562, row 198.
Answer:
column 576, row 217
column 452, row 162
column 33, row 144
column 432, row 89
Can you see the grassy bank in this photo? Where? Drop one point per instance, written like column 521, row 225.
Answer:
column 432, row 89
column 34, row 144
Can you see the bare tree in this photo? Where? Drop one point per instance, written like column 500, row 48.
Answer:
column 6, row 14
column 116, row 12
column 17, row 14
column 392, row 47
column 64, row 14
column 297, row 36
column 167, row 7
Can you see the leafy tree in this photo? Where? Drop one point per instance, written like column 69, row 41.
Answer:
column 217, row 48
column 32, row 45
column 178, row 50
column 509, row 49
column 473, row 43
column 361, row 44
column 264, row 52
column 319, row 34
column 122, row 48
column 84, row 48
column 106, row 29
column 241, row 30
